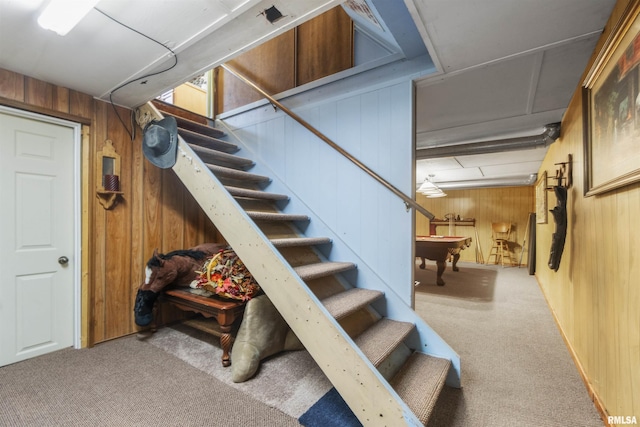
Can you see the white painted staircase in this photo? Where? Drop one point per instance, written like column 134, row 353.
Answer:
column 389, row 371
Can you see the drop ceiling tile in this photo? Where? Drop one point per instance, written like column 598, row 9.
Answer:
column 488, row 93
column 522, row 168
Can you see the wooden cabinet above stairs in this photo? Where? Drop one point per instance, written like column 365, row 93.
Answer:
column 380, row 366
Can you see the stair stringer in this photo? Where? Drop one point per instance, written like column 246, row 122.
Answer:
column 371, row 398
column 393, row 305
column 366, row 392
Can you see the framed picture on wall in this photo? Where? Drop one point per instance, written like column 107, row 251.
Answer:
column 541, row 199
column 611, row 109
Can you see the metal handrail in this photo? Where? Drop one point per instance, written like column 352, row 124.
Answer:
column 407, row 200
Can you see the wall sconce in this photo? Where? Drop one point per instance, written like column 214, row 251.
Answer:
column 108, row 171
column 431, row 190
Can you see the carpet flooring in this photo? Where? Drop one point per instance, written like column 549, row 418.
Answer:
column 516, row 368
column 125, row 383
column 290, row 381
column 516, row 371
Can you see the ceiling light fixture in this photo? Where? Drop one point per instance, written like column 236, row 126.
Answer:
column 431, row 190
column 62, row 15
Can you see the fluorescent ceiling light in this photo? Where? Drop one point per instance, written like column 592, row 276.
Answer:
column 62, row 15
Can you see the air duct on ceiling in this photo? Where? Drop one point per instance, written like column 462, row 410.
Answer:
column 550, row 134
column 508, row 181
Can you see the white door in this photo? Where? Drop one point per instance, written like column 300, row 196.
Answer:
column 36, row 237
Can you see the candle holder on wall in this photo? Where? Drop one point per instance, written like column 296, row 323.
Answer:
column 108, row 173
column 564, row 174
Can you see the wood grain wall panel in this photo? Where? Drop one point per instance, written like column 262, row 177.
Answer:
column 80, row 104
column 152, row 191
column 324, row 46
column 136, row 203
column 151, row 213
column 172, row 212
column 118, row 281
column 270, row 65
column 191, row 97
column 39, row 93
column 11, row 85
column 594, row 295
column 98, row 238
column 152, row 205
column 60, row 99
column 318, row 48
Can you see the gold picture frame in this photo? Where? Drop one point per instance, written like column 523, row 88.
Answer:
column 611, row 109
column 541, row 199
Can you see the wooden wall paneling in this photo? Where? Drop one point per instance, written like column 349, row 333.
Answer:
column 630, row 308
column 152, row 207
column 80, row 104
column 60, row 99
column 270, row 65
column 608, row 259
column 594, row 295
column 11, row 85
column 39, row 93
column 172, row 212
column 152, row 214
column 98, row 236
column 118, row 305
column 324, row 46
column 116, row 243
column 623, row 265
column 325, row 171
column 191, row 97
column 193, row 222
column 173, row 230
column 485, row 205
column 136, row 201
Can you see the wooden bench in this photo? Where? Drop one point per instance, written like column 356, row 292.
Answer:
column 225, row 312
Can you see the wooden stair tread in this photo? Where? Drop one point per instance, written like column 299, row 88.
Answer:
column 207, row 141
column 255, row 194
column 382, row 338
column 180, row 113
column 350, row 301
column 216, row 157
column 419, row 383
column 275, row 216
column 322, row 269
column 240, row 175
column 299, row 241
column 185, row 123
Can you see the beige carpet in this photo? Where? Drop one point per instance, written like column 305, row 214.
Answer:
column 290, row 381
column 516, row 369
column 124, row 382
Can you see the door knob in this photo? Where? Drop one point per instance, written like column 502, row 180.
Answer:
column 63, row 260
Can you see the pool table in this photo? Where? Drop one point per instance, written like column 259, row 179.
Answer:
column 438, row 248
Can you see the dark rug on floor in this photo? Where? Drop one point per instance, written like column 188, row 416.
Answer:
column 330, row 410
column 472, row 282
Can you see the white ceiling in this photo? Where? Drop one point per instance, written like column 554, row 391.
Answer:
column 506, row 69
column 503, row 68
